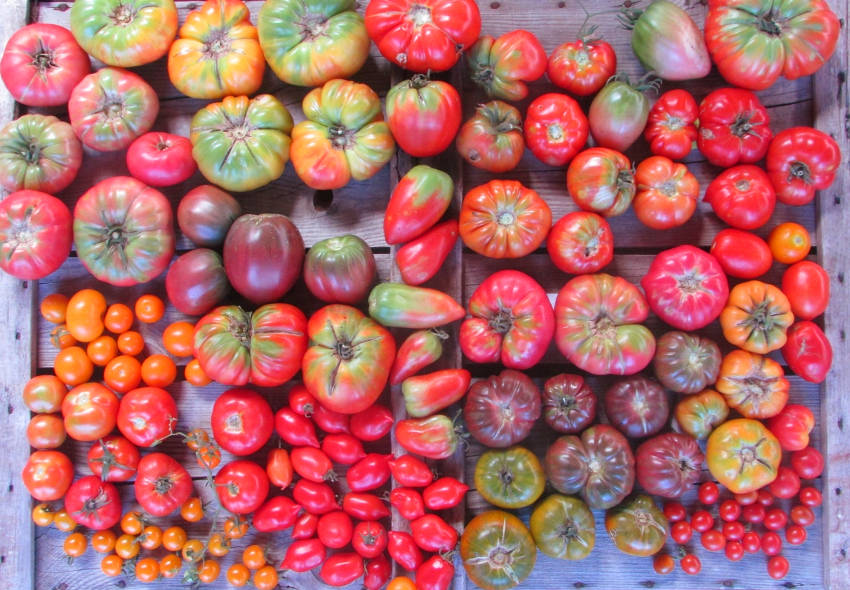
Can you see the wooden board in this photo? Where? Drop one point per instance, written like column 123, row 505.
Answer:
column 31, row 559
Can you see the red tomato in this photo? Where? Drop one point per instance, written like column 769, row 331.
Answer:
column 670, row 129
column 343, row 448
column 279, row 468
column 800, row 161
column 369, row 539
column 242, row 421
column 581, row 242
column 433, row 437
column 329, row 421
column 303, row 555
column 242, row 486
column 277, row 514
column 419, row 260
column 295, row 429
column 810, row 497
column 792, row 426
column 492, row 138
column 437, row 573
column 305, row 526
column 618, row 113
column 312, row 464
column 582, row 67
column 601, row 180
column 340, row 569
column 410, row 471
column 802, row 515
column 423, row 115
column 113, row 458
column 742, row 196
column 161, row 159
column 162, row 484
column 708, row 493
column 734, row 127
column 46, row 431
column 417, row 202
column 691, row 564
column 775, row 519
column 786, row 485
column 335, row 529
column 432, row 533
column 315, row 498
column 378, row 572
column 373, row 423
column 806, row 284
column 93, row 503
column 674, row 511
column 35, row 234
column 501, row 67
column 146, row 415
column 807, row 463
column 365, row 506
column 713, row 540
column 667, row 193
column 89, row 411
column 408, row 502
column 681, row 531
column 555, row 128
column 47, row 475
column 404, row 551
column 741, row 254
column 370, row 472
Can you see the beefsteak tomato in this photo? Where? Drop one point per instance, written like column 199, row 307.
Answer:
column 667, row 193
column 423, row 115
column 196, row 282
column 686, row 363
column 501, row 410
column 671, row 126
column 601, row 180
column 35, row 234
column 743, row 455
column 699, row 414
column 502, row 66
column 669, row 464
column 801, row 160
column 555, row 128
column 492, row 138
column 497, row 550
column 340, row 269
column 734, row 127
column 38, row 152
column 93, row 503
column 563, row 527
column 754, row 385
column 756, row 317
column 742, row 196
column 637, row 527
column 509, row 478
column 636, row 406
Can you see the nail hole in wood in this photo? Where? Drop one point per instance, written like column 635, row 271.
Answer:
column 26, row 285
column 495, row 5
column 837, row 491
column 841, row 423
column 561, row 4
column 727, row 583
column 2, row 559
column 11, row 487
column 579, row 584
column 837, row 200
column 121, row 584
column 17, row 335
column 648, row 584
column 322, row 200
column 841, row 277
column 61, row 586
column 841, row 334
column 62, row 7
column 10, row 408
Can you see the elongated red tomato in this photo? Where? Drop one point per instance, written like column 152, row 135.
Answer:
column 806, row 284
column 419, row 260
column 411, row 471
column 418, row 350
column 742, row 254
column 430, row 393
column 417, row 202
column 423, row 115
column 808, row 351
column 433, row 437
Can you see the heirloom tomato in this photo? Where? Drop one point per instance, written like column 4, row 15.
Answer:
column 637, row 527
column 756, row 317
column 754, row 385
column 563, row 527
column 742, row 196
column 41, row 64
column 601, row 180
column 429, row 393
column 636, row 406
column 667, row 193
column 93, row 503
column 263, row 256
column 397, row 305
column 417, row 202
column 668, row 42
column 582, row 67
column 741, row 254
column 669, row 464
column 216, row 53
column 618, row 114
column 686, row 287
column 242, row 486
column 147, row 415
column 699, row 414
column 502, row 66
column 124, row 33
column 35, row 234
column 423, row 35
column 792, row 426
column 47, row 475
column 372, row 424
column 89, row 411
column 279, row 468
column 512, row 321
column 408, row 502
column 686, row 363
column 743, row 455
column 340, row 269
column 162, row 485
column 569, row 405
column 123, row 231
column 242, row 143
column 671, row 126
column 111, row 107
column 263, row 347
column 555, row 128
column 403, row 549
column 734, row 127
column 242, row 421
column 510, row 478
column 343, row 448
column 497, row 550
column 418, row 350
column 113, row 458
column 434, row 437
column 808, row 351
column 597, row 325
column 423, row 115
column 205, row 214
column 752, row 42
column 501, row 411
column 581, row 242
column 806, row 284
column 308, row 43
column 344, row 136
column 277, row 514
column 599, row 466
column 504, row 219
column 420, row 259
column 38, row 152
column 348, row 361
column 801, row 160
column 196, row 282
column 161, row 159
column 492, row 138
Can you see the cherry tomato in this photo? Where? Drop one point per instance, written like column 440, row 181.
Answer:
column 63, row 521
column 131, row 343
column 103, row 541
column 674, row 511
column 238, row 575
column 112, row 565
column 765, row 498
column 169, row 565
column 729, row 510
column 126, row 547
column 713, row 540
column 734, row 551
column 802, row 515
column 408, row 502
column 751, row 542
column 178, row 338
column 372, row 424
column 193, row 550
column 73, row 366
column 410, row 471
column 209, row 571
column 192, row 510
column 733, row 531
column 151, row 537
column 807, row 463
column 194, row 374
column 378, row 572
column 343, row 448
column 60, row 337
column 123, row 373
column 101, row 350
column 118, row 318
column 701, row 521
column 771, row 543
column 369, row 539
column 53, row 308
column 219, row 545
column 690, row 564
column 663, row 563
column 365, row 506
column 681, row 532
column 810, row 497
column 46, row 431
column 748, row 498
column 786, row 484
column 753, row 513
column 254, row 557
column 265, row 578
column 74, row 545
column 775, row 519
column 777, row 567
column 789, row 242
column 132, row 522
column 708, row 493
column 173, row 538
column 795, row 534
column 158, row 370
column 149, row 308
column 42, row 515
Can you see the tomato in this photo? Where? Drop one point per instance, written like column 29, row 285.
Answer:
column 419, row 260
column 118, row 318
column 311, row 463
column 756, row 317
column 555, row 128
column 743, row 455
column 426, row 394
column 39, row 152
column 802, row 515
column 73, row 366
column 754, row 385
column 279, row 468
column 435, row 573
column 786, row 485
column 563, row 527
column 370, row 472
column 149, row 308
column 601, row 180
column 502, row 66
column 47, row 475
column 432, row 533
column 668, row 42
column 433, row 437
column 89, row 411
column 397, row 305
column 303, row 555
column 158, row 370
column 801, row 160
column 501, row 411
column 742, row 196
column 403, row 550
column 789, row 242
column 378, row 573
column 295, row 429
column 45, row 431
column 806, row 285
column 177, row 338
column 113, row 458
column 196, row 282
column 343, row 448
column 691, row 564
column 492, row 138
column 504, row 219
column 734, row 127
column 146, row 415
column 776, row 519
column 618, row 114
column 35, row 234
column 808, row 463
column 242, row 421
column 581, row 242
column 637, row 527
column 408, row 502
column 102, row 350
column 686, row 363
column 809, row 496
column 582, row 67
column 585, row 304
column 708, row 493
column 315, row 498
column 752, row 43
column 636, row 406
column 409, row 471
column 497, row 550
column 53, row 307
column 124, row 34
column 340, row 269
column 93, row 503
column 161, row 159
column 713, row 540
column 417, row 202
column 663, row 563
column 423, row 115
column 423, row 35
column 510, row 478
column 569, row 405
column 205, row 214
column 741, row 254
column 123, row 373
column 192, row 510
column 277, row 514
column 369, row 539
column 270, row 357
column 372, row 423
column 599, row 466
column 305, row 526
column 666, row 194
column 669, row 465
column 44, row 394
column 85, row 315
column 329, row 421
column 60, row 337
column 162, row 485
column 671, row 125
column 445, row 493
column 340, row 569
column 242, row 486
column 335, row 529
column 792, row 426
column 364, row 506
column 344, row 136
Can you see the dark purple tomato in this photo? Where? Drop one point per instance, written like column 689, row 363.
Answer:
column 340, row 269
column 205, row 214
column 196, row 282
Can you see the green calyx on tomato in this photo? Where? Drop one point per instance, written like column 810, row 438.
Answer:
column 743, row 455
column 563, row 527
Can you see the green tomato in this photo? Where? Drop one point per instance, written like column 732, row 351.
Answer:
column 38, row 152
column 509, row 478
column 637, row 526
column 563, row 527
column 497, row 550
column 618, row 114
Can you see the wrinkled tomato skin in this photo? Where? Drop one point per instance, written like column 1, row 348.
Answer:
column 808, row 351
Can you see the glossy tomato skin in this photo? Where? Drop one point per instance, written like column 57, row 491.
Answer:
column 618, row 115
column 418, row 350
column 340, row 569
column 113, row 458
column 93, row 503
column 242, row 421
column 569, row 405
column 410, row 471
column 419, row 260
column 686, row 363
column 743, row 455
column 497, row 550
column 792, row 426
column 734, row 127
column 433, row 437
column 753, row 384
column 47, row 475
column 423, row 115
column 365, row 506
column 563, row 527
column 509, row 478
column 146, row 415
column 397, row 305
column 295, row 429
column 555, row 128
column 417, row 202
column 446, row 492
column 432, row 533
column 205, row 213
column 372, row 424
column 667, row 193
column 756, row 317
column 582, row 67
column 335, row 529
column 742, row 196
column 196, row 282
column 408, row 502
column 303, row 555
column 448, row 27
column 637, row 527
column 741, row 254
column 369, row 539
column 161, row 159
column 806, row 284
column 581, row 242
column 669, row 464
column 808, row 351
column 89, row 411
column 378, row 572
column 636, row 406
column 502, row 66
column 670, row 128
column 492, row 138
column 343, row 448
column 276, row 514
column 404, row 551
column 512, row 321
column 35, row 234
column 801, row 160
column 38, row 152
column 435, row 573
column 431, row 392
column 601, row 180
column 686, row 287
column 242, row 486
column 370, row 472
column 340, row 269
column 501, row 411
column 123, row 231
column 162, row 485
column 316, row 498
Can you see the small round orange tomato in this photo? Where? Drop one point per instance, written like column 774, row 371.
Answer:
column 195, row 375
column 178, row 339
column 127, row 546
column 147, row 569
column 219, row 545
column 101, row 350
column 209, row 570
column 192, row 510
column 235, row 527
column 238, row 575
column 192, row 550
column 112, row 565
column 197, row 438
column 158, row 370
column 401, row 583
column 131, row 342
column 169, row 566
column 789, row 242
column 63, row 521
column 103, row 541
column 75, row 544
column 265, row 578
column 149, row 308
column 123, row 373
column 46, row 431
column 254, row 557
column 53, row 308
column 42, row 514
column 173, row 538
column 61, row 338
column 84, row 315
column 73, row 366
column 132, row 522
column 43, row 394
column 209, row 457
column 151, row 537
column 118, row 318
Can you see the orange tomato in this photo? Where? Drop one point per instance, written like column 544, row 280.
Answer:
column 101, row 350
column 265, row 578
column 151, row 537
column 126, row 546
column 53, row 308
column 238, row 575
column 752, row 384
column 46, row 431
column 209, row 570
column 235, row 527
column 132, row 522
column 63, row 521
column 158, row 370
column 73, row 366
column 112, row 565
column 147, row 569
column 219, row 545
column 75, row 545
column 173, row 538
column 149, row 308
column 192, row 510
column 118, row 318
column 192, row 550
column 789, row 242
column 43, row 394
column 131, row 342
column 84, row 315
column 103, row 541
column 177, row 338
column 60, row 337
column 123, row 373
column 42, row 514
column 254, row 557
column 195, row 375
column 401, row 583
column 169, row 566
column 756, row 317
